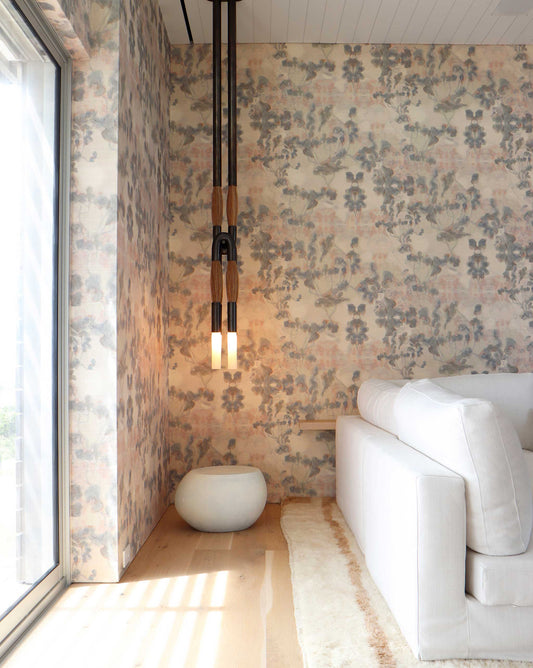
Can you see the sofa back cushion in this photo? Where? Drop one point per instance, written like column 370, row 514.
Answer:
column 375, row 402
column 471, row 437
column 511, row 393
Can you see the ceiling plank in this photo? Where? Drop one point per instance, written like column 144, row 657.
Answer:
column 484, row 25
column 279, row 22
column 314, row 20
column 245, row 21
column 331, row 22
column 512, row 30
column 441, row 9
column 224, row 23
column 525, row 36
column 474, row 13
column 205, row 10
column 349, row 20
column 383, row 20
column 195, row 21
column 498, row 29
column 451, row 23
column 402, row 19
column 418, row 21
column 297, row 16
column 174, row 21
column 367, row 17
column 262, row 20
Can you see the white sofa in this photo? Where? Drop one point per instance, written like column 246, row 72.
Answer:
column 435, row 480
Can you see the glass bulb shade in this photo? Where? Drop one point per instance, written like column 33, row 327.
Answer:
column 216, row 350
column 232, row 350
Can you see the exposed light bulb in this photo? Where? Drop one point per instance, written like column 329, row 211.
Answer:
column 232, row 350
column 216, row 350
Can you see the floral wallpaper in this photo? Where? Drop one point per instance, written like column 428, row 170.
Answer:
column 118, row 264
column 142, row 271
column 93, row 302
column 75, row 40
column 385, row 230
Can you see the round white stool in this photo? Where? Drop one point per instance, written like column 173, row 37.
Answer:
column 221, row 498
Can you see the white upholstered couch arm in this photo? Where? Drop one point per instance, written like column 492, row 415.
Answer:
column 412, row 531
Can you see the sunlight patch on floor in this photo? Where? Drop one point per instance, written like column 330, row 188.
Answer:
column 172, row 621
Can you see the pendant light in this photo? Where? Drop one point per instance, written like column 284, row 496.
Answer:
column 224, row 243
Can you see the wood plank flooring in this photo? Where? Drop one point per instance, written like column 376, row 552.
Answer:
column 188, row 599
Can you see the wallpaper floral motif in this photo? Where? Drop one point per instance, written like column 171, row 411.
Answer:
column 142, row 271
column 385, row 230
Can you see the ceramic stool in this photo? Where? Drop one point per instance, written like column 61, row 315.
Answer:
column 221, row 498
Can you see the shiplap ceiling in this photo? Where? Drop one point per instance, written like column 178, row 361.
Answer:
column 360, row 21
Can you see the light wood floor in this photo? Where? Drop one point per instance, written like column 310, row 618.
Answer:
column 188, row 599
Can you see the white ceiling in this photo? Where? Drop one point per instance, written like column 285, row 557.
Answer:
column 360, row 21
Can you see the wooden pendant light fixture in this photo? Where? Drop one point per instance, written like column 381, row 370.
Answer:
column 224, row 243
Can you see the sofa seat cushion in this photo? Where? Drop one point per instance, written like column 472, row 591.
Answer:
column 500, row 580
column 469, row 436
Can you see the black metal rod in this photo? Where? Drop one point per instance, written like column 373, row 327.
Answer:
column 187, row 24
column 216, row 316
column 232, row 92
column 217, row 94
column 232, row 316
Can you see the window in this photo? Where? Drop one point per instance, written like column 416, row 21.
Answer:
column 33, row 75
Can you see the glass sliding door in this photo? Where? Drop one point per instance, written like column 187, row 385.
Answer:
column 30, row 333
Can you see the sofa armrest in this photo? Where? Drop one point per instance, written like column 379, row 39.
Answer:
column 413, row 524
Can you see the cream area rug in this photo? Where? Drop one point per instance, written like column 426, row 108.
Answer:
column 341, row 618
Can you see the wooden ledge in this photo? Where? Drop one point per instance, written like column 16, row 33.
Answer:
column 318, row 425
column 325, row 424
